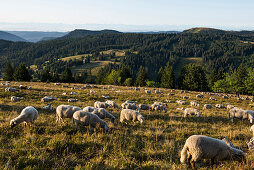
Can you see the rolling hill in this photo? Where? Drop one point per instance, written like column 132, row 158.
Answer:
column 10, row 37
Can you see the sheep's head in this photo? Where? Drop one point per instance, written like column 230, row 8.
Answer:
column 112, row 120
column 105, row 127
column 13, row 123
column 238, row 155
column 141, row 118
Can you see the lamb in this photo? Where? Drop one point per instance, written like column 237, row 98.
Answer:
column 191, row 111
column 199, row 147
column 143, row 107
column 103, row 113
column 65, row 111
column 101, row 105
column 88, row 119
column 193, row 103
column 220, row 106
column 240, row 113
column 128, row 114
column 207, row 106
column 15, row 99
column 89, row 109
column 158, row 107
column 72, row 100
column 130, row 106
column 27, row 115
column 48, row 107
column 48, row 99
column 112, row 103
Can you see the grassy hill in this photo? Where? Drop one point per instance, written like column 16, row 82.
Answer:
column 155, row 144
column 204, row 30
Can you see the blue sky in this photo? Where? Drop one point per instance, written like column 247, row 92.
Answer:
column 220, row 13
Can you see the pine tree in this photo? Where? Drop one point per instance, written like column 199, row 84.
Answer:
column 67, row 76
column 212, row 78
column 168, row 78
column 9, row 71
column 21, row 73
column 45, row 76
column 142, row 77
column 160, row 72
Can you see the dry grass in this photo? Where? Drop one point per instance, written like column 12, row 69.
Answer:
column 156, row 144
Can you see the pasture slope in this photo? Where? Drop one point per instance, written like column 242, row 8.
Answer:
column 156, row 144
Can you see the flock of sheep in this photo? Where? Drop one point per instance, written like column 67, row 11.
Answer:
column 197, row 147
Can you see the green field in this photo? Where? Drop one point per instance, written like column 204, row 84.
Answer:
column 155, row 144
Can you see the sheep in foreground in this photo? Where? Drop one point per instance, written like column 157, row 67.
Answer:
column 112, row 103
column 103, row 113
column 65, row 111
column 207, row 106
column 89, row 109
column 27, row 115
column 191, row 111
column 199, row 147
column 88, row 119
column 241, row 114
column 128, row 114
column 101, row 105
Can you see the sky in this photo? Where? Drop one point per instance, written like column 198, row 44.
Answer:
column 128, row 14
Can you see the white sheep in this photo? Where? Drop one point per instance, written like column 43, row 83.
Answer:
column 252, row 129
column 128, row 114
column 240, row 113
column 181, row 102
column 48, row 99
column 207, row 106
column 10, row 89
column 103, row 113
column 158, row 107
column 191, row 111
column 220, row 106
column 112, row 103
column 143, row 107
column 193, row 103
column 212, row 98
column 199, row 96
column 65, row 111
column 88, row 119
column 148, row 91
column 72, row 100
column 27, row 115
column 132, row 106
column 98, row 104
column 89, row 109
column 48, row 107
column 15, row 99
column 230, row 106
column 199, row 147
column 186, row 97
column 73, row 93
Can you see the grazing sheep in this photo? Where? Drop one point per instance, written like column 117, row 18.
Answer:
column 160, row 103
column 128, row 114
column 22, row 87
column 103, row 113
column 230, row 106
column 191, row 111
column 27, row 115
column 92, row 92
column 186, row 97
column 148, row 91
column 72, row 100
column 240, row 113
column 137, row 89
column 48, row 107
column 252, row 129
column 143, row 107
column 193, row 103
column 73, row 93
column 129, row 101
column 220, row 106
column 65, row 111
column 88, row 119
column 48, row 99
column 89, row 109
column 132, row 106
column 181, row 102
column 157, row 91
column 64, row 94
column 101, row 105
column 10, row 89
column 158, row 107
column 112, row 103
column 171, row 94
column 207, row 106
column 199, row 96
column 212, row 98
column 106, row 97
column 225, row 97
column 181, row 108
column 57, row 84
column 15, row 99
column 199, row 147
column 30, row 88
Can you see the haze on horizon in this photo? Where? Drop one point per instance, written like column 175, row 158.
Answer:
column 125, row 15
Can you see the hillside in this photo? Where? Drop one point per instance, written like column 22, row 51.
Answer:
column 203, row 30
column 10, row 37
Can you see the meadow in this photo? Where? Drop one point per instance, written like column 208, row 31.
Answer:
column 155, row 144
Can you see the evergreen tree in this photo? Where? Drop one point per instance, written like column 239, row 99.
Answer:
column 66, row 76
column 45, row 76
column 124, row 73
column 159, row 75
column 142, row 76
column 168, row 78
column 9, row 71
column 212, row 78
column 21, row 73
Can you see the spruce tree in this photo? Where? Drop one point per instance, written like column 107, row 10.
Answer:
column 168, row 78
column 142, row 77
column 21, row 73
column 9, row 71
column 212, row 78
column 159, row 75
column 45, row 76
column 67, row 75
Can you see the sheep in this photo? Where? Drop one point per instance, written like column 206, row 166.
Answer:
column 128, row 114
column 112, row 103
column 22, row 87
column 48, row 107
column 186, row 97
column 48, row 99
column 103, row 113
column 191, row 111
column 88, row 119
column 89, row 109
column 30, row 88
column 148, row 91
column 65, row 111
column 181, row 102
column 10, row 89
column 15, row 99
column 158, row 107
column 143, row 107
column 160, row 103
column 207, row 106
column 199, row 96
column 193, row 103
column 72, row 100
column 212, row 98
column 129, row 101
column 137, row 89
column 92, row 92
column 98, row 104
column 27, row 115
column 199, row 147
column 106, row 97
column 57, row 84
column 252, row 129
column 220, row 106
column 230, row 106
column 240, row 113
column 132, row 106
column 157, row 91
column 171, row 94
column 225, row 97
column 73, row 93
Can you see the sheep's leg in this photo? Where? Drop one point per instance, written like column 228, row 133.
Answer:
column 25, row 124
column 192, row 164
column 212, row 162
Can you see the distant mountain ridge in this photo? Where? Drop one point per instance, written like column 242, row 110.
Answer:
column 10, row 37
column 79, row 33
